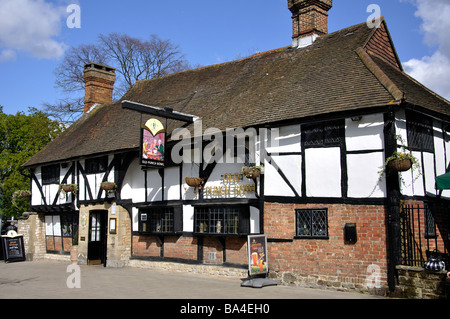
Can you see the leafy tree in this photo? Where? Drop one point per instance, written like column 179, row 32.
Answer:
column 21, row 136
column 133, row 58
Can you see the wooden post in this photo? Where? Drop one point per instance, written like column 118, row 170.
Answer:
column 393, row 202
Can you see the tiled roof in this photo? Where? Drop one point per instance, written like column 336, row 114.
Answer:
column 335, row 74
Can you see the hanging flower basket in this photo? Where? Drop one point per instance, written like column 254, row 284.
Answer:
column 69, row 188
column 400, row 165
column 22, row 194
column 251, row 172
column 402, row 161
column 108, row 186
column 194, row 181
column 18, row 195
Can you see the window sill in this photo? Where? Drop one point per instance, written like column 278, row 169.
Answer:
column 312, row 237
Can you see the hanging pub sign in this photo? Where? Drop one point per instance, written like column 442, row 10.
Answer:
column 153, row 142
column 257, row 255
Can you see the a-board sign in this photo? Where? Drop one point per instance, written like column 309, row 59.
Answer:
column 257, row 255
column 13, row 248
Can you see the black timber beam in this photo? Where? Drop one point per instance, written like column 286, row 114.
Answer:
column 165, row 112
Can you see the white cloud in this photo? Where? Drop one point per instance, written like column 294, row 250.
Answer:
column 7, row 55
column 433, row 71
column 30, row 26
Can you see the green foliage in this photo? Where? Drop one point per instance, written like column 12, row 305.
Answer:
column 21, row 136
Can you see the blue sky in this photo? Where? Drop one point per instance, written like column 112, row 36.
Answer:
column 34, row 35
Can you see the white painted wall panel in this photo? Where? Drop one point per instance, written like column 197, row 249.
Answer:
column 191, row 170
column 274, row 185
column 224, row 182
column 133, row 184
column 188, row 218
column 366, row 134
column 154, row 185
column 254, row 220
column 291, row 166
column 439, row 149
column 36, row 198
column 429, row 173
column 412, row 183
column 363, row 177
column 172, row 183
column 287, row 139
column 323, row 172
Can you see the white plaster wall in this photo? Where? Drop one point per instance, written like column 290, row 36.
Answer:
column 192, row 170
column 36, row 198
column 188, row 218
column 291, row 166
column 133, row 184
column 411, row 182
column 274, row 185
column 154, row 182
column 81, row 184
column 323, row 172
column 284, row 139
column 216, row 179
column 135, row 218
column 172, row 183
column 254, row 220
column 429, row 173
column 363, row 177
column 366, row 134
column 439, row 149
column 446, row 193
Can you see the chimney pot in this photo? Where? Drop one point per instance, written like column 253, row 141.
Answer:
column 309, row 20
column 99, row 82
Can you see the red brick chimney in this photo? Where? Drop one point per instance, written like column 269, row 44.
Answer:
column 309, row 20
column 99, row 82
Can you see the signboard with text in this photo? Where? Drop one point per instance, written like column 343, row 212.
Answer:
column 13, row 248
column 257, row 255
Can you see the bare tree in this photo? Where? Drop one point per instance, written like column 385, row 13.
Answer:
column 134, row 60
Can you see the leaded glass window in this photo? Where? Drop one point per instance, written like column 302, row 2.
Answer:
column 329, row 133
column 420, row 132
column 312, row 223
column 228, row 220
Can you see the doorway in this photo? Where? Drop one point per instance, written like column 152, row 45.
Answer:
column 97, row 237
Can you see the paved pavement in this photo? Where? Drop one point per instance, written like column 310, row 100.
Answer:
column 51, row 280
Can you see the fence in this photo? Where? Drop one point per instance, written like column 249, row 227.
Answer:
column 423, row 229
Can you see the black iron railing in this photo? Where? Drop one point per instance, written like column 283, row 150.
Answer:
column 419, row 235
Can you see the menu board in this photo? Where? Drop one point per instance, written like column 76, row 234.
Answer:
column 13, row 248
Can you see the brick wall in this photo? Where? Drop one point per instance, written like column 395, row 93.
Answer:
column 186, row 248
column 327, row 262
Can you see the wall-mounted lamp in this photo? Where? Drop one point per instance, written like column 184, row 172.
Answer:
column 356, row 118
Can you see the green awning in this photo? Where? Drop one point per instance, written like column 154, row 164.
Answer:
column 443, row 181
